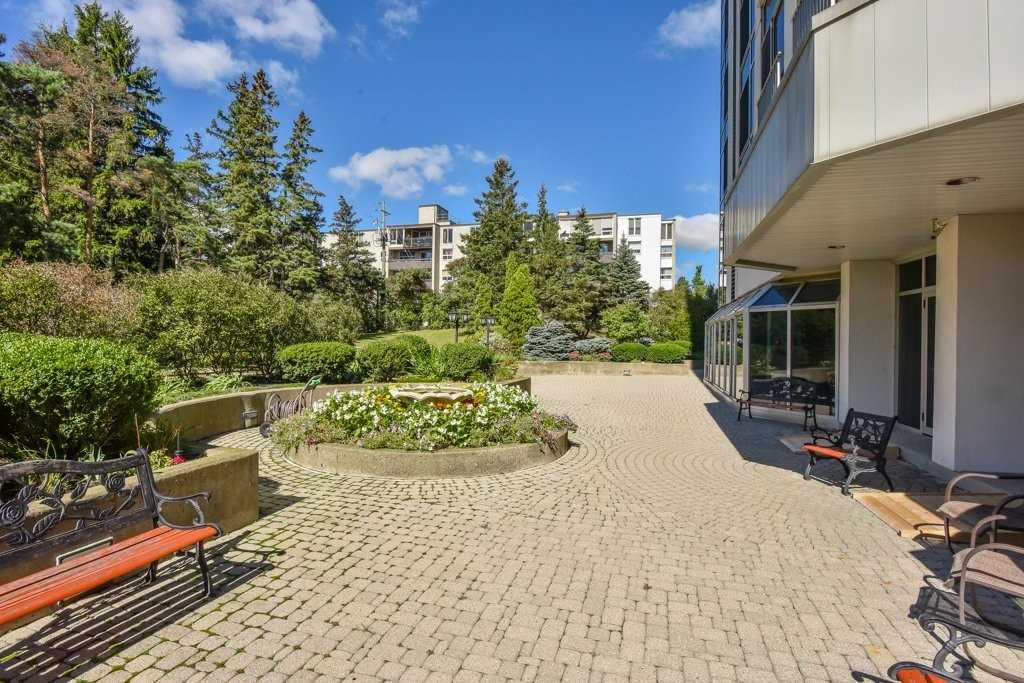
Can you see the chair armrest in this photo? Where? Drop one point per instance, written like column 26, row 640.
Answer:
column 743, row 394
column 977, row 475
column 991, row 520
column 1001, row 505
column 825, row 435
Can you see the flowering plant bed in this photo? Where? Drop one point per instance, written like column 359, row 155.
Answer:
column 377, row 418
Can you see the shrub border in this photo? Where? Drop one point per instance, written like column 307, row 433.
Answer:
column 583, row 367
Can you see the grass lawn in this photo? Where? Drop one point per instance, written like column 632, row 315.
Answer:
column 435, row 337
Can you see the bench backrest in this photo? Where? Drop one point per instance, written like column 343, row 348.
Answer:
column 867, row 431
column 73, row 500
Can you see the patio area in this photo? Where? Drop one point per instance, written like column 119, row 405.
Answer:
column 672, row 543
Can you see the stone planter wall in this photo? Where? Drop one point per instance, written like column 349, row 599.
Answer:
column 580, row 367
column 202, row 418
column 443, row 464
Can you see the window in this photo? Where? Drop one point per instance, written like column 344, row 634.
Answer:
column 725, row 164
column 634, row 227
column 446, row 235
column 446, row 254
column 666, row 273
column 667, row 229
column 666, row 251
column 746, row 111
column 772, row 37
column 635, row 247
column 821, row 291
column 768, row 342
column 746, row 25
column 910, row 275
column 814, row 345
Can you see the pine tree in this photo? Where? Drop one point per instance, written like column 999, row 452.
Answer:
column 350, row 270
column 588, row 290
column 501, row 216
column 297, row 258
column 483, row 302
column 202, row 233
column 548, row 260
column 249, row 180
column 627, row 286
column 518, row 311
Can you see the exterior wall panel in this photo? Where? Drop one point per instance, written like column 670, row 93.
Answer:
column 901, row 92
column 958, row 53
column 1006, row 28
column 852, row 63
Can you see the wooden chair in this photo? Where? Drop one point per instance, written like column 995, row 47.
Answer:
column 859, row 447
column 912, row 672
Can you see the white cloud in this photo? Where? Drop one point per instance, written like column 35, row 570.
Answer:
column 294, row 25
column 285, row 80
column 699, row 233
column 160, row 27
column 400, row 173
column 694, row 26
column 703, row 188
column 477, row 156
column 568, row 186
column 455, row 189
column 358, row 40
column 400, row 16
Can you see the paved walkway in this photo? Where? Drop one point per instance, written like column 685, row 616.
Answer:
column 672, row 544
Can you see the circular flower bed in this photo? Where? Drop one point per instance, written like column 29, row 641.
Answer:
column 376, row 418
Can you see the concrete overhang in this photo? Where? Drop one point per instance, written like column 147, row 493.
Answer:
column 884, row 201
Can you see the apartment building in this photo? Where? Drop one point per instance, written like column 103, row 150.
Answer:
column 434, row 241
column 872, row 214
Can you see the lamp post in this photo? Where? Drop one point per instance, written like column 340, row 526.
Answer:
column 457, row 317
column 488, row 322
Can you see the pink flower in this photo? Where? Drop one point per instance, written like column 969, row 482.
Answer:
column 177, row 460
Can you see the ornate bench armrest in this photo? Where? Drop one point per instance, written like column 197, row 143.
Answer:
column 198, row 519
column 831, row 438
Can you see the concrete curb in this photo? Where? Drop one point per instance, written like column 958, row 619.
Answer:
column 444, row 464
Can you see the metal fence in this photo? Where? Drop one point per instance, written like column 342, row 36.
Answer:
column 802, row 19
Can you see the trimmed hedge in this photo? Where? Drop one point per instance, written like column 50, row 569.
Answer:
column 72, row 394
column 384, row 360
column 628, row 352
column 463, row 361
column 666, row 352
column 332, row 361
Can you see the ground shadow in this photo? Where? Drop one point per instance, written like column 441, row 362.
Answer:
column 270, row 500
column 101, row 625
column 757, row 440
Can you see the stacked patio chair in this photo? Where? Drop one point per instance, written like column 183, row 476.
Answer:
column 966, row 618
column 967, row 514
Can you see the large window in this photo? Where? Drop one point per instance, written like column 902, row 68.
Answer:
column 773, row 37
column 746, row 110
column 633, row 225
column 814, row 344
column 667, row 228
column 768, row 343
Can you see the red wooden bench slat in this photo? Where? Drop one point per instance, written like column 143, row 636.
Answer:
column 49, row 586
column 825, row 452
column 918, row 676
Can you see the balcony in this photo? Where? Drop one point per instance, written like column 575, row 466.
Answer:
column 397, row 264
column 412, row 242
column 802, row 19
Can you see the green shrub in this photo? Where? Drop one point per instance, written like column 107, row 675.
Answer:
column 332, row 319
column 685, row 343
column 384, row 360
column 419, row 349
column 64, row 300
column 625, row 323
column 463, row 361
column 592, row 346
column 628, row 352
column 191, row 320
column 666, row 352
column 331, row 361
column 73, row 394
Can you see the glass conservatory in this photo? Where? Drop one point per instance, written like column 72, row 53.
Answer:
column 781, row 329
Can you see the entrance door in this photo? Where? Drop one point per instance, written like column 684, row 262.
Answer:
column 910, row 359
column 928, row 363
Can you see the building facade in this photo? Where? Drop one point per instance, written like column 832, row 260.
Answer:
column 872, row 215
column 435, row 241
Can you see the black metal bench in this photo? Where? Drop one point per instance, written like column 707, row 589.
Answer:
column 787, row 392
column 859, row 447
column 64, row 505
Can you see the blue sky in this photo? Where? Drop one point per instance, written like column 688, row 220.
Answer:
column 613, row 105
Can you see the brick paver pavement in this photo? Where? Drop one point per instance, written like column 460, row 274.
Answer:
column 671, row 544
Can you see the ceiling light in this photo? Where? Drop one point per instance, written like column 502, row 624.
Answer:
column 837, row 246
column 966, row 180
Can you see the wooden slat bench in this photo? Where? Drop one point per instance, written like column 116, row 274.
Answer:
column 51, row 505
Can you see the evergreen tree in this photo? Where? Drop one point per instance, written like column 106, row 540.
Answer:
column 588, row 291
column 500, row 233
column 483, row 302
column 350, row 270
column 201, row 233
column 627, row 286
column 549, row 259
column 249, row 179
column 670, row 315
column 518, row 311
column 702, row 302
column 297, row 257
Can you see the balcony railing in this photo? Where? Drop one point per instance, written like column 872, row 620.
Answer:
column 769, row 88
column 412, row 242
column 409, row 263
column 802, row 19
